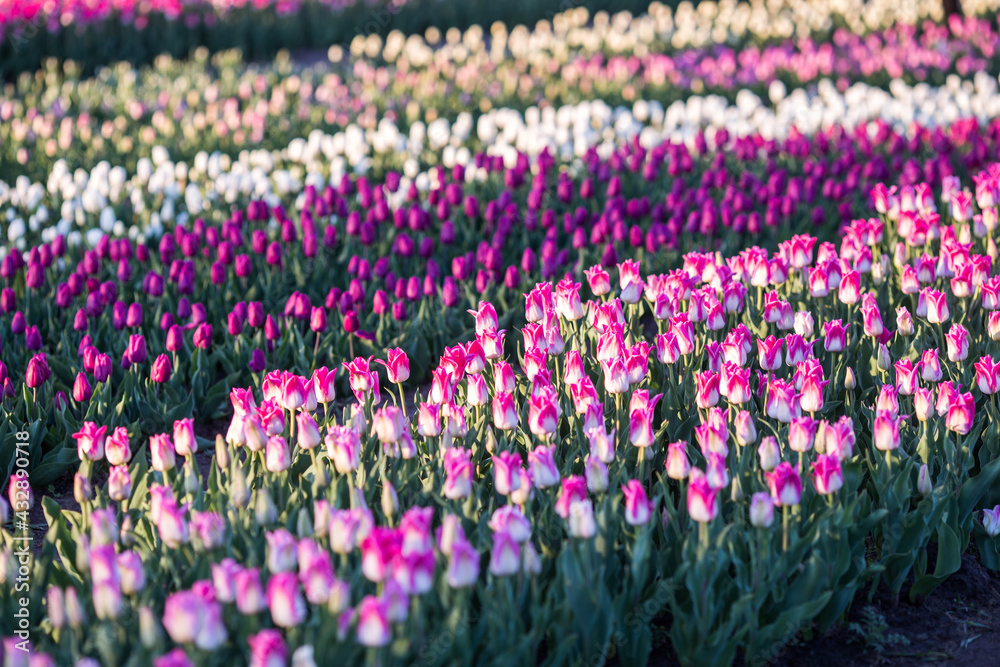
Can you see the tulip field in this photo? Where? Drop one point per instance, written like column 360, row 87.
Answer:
column 429, row 332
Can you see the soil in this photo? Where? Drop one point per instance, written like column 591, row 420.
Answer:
column 957, row 624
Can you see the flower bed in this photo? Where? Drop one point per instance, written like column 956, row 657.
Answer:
column 342, row 369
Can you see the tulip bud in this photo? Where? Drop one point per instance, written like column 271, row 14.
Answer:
column 74, row 610
column 83, row 492
column 191, row 481
column 849, row 381
column 239, row 495
column 884, row 360
column 736, row 491
column 991, row 521
column 904, row 322
column 127, row 533
column 304, row 656
column 491, row 441
column 149, row 629
column 761, row 510
column 56, row 606
column 390, row 501
column 924, row 484
column 746, row 431
column 265, row 511
column 222, row 458
column 596, row 473
column 769, row 453
column 303, row 525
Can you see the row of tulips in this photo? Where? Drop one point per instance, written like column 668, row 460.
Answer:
column 550, row 503
column 139, row 334
column 122, row 112
column 97, row 33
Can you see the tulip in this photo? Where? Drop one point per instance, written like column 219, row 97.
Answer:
column 116, row 447
column 505, row 415
column 769, row 453
column 373, row 623
column 991, row 521
column 161, row 370
column 183, row 616
column 602, row 443
column 769, row 353
column 119, row 483
column 827, row 475
column 937, row 306
column 284, row 598
column 343, row 445
column 801, row 434
column 486, row 317
column 907, row 381
column 924, row 485
column 702, row 503
column 81, row 389
column 172, row 524
column 785, row 485
column 581, row 519
column 987, row 375
column 638, row 508
column 835, row 336
column 185, row 442
column 885, row 432
column 544, row 472
column 641, row 425
column 463, row 565
column 249, row 591
column 267, row 648
column 961, row 414
column 458, row 472
column 90, row 442
column 162, row 452
column 761, row 510
column 957, row 339
column 573, row 489
column 707, row 389
column 505, row 556
column 677, row 465
column 397, row 365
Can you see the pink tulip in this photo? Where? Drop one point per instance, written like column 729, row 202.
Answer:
column 90, row 442
column 707, row 389
column 961, row 414
column 827, row 475
column 987, row 375
column 505, row 472
column 544, row 472
column 284, row 598
column 785, row 485
column 885, row 432
column 505, row 415
column 702, row 503
column 397, row 365
column 458, row 472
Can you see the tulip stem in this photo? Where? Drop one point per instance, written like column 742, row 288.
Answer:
column 642, row 465
column 784, row 526
column 402, row 398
